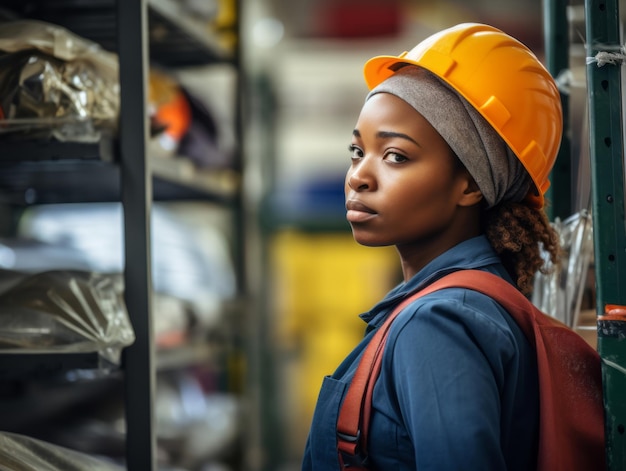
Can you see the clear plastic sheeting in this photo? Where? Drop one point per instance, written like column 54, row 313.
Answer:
column 31, row 256
column 55, row 84
column 559, row 293
column 21, row 453
column 63, row 311
column 190, row 253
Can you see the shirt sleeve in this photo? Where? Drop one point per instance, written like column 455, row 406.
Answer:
column 448, row 364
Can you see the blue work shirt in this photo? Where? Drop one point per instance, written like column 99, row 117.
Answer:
column 458, row 388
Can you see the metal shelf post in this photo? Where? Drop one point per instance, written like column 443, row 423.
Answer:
column 136, row 185
column 607, row 173
column 556, row 47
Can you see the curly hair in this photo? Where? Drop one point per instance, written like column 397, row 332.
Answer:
column 519, row 234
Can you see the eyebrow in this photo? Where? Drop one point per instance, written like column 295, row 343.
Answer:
column 389, row 134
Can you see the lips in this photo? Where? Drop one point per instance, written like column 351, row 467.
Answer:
column 353, row 205
column 358, row 212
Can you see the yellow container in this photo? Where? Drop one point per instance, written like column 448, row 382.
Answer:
column 322, row 282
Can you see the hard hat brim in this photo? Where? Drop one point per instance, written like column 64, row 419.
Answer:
column 380, row 68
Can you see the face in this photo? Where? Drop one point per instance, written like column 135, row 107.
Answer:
column 404, row 184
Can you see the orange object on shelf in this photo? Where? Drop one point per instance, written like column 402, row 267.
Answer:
column 170, row 109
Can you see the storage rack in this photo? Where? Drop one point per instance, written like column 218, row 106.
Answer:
column 603, row 25
column 603, row 33
column 120, row 170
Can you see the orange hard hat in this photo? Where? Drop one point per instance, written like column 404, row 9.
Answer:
column 503, row 80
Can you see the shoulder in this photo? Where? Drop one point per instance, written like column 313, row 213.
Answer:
column 454, row 337
column 456, row 305
column 466, row 317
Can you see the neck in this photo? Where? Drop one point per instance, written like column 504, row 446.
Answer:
column 416, row 255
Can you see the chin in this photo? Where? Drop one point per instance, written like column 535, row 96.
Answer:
column 368, row 242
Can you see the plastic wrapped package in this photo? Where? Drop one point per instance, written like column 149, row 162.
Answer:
column 560, row 292
column 63, row 311
column 29, row 256
column 21, row 453
column 191, row 258
column 55, row 84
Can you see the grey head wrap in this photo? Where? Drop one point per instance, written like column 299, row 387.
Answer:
column 499, row 174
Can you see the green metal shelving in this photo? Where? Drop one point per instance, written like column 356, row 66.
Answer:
column 607, row 173
column 606, row 147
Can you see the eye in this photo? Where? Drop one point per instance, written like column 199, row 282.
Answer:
column 356, row 152
column 395, row 157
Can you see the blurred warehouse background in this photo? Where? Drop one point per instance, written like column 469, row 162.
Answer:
column 237, row 379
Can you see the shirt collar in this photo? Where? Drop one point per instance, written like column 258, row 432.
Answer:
column 470, row 254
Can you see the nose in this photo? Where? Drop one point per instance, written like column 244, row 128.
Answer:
column 360, row 176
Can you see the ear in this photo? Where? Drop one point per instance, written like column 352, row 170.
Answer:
column 471, row 193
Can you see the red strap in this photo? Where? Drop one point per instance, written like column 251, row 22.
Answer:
column 352, row 408
column 353, row 421
column 354, row 415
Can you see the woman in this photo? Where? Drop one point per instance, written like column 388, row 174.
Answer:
column 450, row 161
